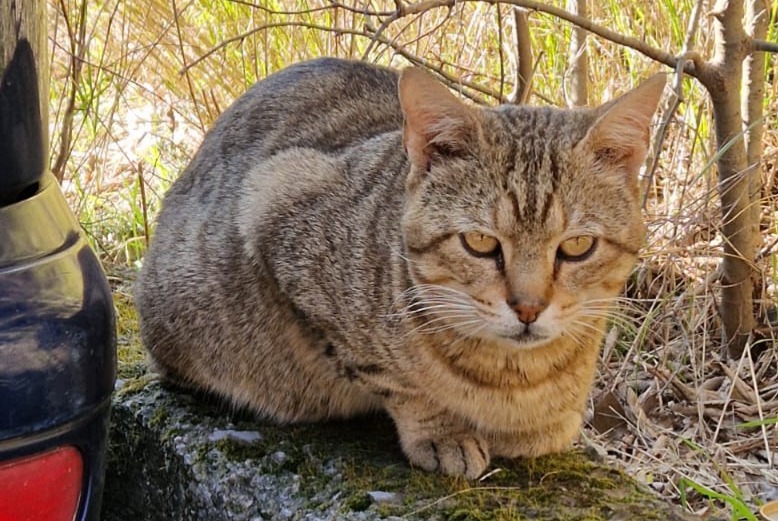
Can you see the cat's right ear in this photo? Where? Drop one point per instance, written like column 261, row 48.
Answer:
column 436, row 122
column 620, row 136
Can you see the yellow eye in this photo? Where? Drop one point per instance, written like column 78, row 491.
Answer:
column 480, row 245
column 575, row 248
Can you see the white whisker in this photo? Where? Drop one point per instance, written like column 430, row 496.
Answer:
column 440, row 309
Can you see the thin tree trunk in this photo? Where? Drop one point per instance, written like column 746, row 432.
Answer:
column 752, row 105
column 723, row 81
column 578, row 73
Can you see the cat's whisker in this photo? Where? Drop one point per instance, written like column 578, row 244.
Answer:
column 428, row 293
column 430, row 304
column 619, row 320
column 441, row 300
column 445, row 318
column 441, row 325
column 614, row 300
column 468, row 332
column 620, row 302
column 586, row 328
column 569, row 334
column 424, row 306
column 404, row 257
column 427, row 305
column 609, row 313
column 440, row 329
column 449, row 314
column 452, row 317
column 438, row 288
column 446, row 327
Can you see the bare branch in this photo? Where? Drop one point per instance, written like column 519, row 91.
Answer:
column 447, row 78
column 691, row 29
column 501, row 47
column 580, row 21
column 523, row 86
column 77, row 52
column 764, row 46
column 578, row 71
column 263, row 27
column 280, row 12
column 687, row 54
column 384, row 25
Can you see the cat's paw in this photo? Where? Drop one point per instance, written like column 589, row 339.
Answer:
column 457, row 455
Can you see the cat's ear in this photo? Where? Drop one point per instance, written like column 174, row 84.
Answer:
column 435, row 120
column 620, row 136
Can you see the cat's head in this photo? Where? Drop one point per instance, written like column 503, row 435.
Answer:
column 521, row 223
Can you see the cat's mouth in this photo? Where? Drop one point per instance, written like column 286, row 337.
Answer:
column 528, row 338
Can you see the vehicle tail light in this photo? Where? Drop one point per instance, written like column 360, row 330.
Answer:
column 42, row 487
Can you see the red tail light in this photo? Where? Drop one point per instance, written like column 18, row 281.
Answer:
column 43, row 487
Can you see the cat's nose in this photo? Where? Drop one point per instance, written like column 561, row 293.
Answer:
column 527, row 312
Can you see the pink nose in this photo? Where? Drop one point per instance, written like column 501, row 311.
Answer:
column 527, row 313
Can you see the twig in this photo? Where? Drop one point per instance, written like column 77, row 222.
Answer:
column 755, row 390
column 501, row 50
column 357, row 10
column 578, row 61
column 77, row 52
column 746, row 353
column 455, row 494
column 450, row 80
column 176, row 15
column 691, row 67
column 144, row 207
column 384, row 25
column 263, row 27
column 767, row 250
column 686, row 54
column 659, row 136
column 281, row 12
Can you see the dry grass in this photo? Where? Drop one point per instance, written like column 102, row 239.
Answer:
column 150, row 77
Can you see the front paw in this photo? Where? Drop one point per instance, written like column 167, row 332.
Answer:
column 456, row 455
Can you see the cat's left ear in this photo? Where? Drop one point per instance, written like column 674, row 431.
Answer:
column 621, row 134
column 435, row 120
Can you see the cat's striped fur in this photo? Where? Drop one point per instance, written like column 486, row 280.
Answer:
column 331, row 250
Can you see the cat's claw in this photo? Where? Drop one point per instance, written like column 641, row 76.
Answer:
column 463, row 455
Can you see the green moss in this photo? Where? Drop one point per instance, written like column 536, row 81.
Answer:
column 134, row 384
column 159, row 418
column 240, row 451
column 358, row 502
column 129, row 348
column 561, row 487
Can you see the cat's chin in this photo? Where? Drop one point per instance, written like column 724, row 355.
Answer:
column 524, row 340
column 527, row 340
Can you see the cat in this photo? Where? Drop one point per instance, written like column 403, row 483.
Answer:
column 349, row 238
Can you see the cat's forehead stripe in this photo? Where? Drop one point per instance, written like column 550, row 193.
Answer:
column 532, row 172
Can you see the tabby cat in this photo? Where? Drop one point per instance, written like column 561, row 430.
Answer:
column 348, row 239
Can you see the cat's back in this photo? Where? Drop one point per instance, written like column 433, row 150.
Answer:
column 326, row 104
column 305, row 114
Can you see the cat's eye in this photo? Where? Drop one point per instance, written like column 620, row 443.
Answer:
column 576, row 248
column 480, row 244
